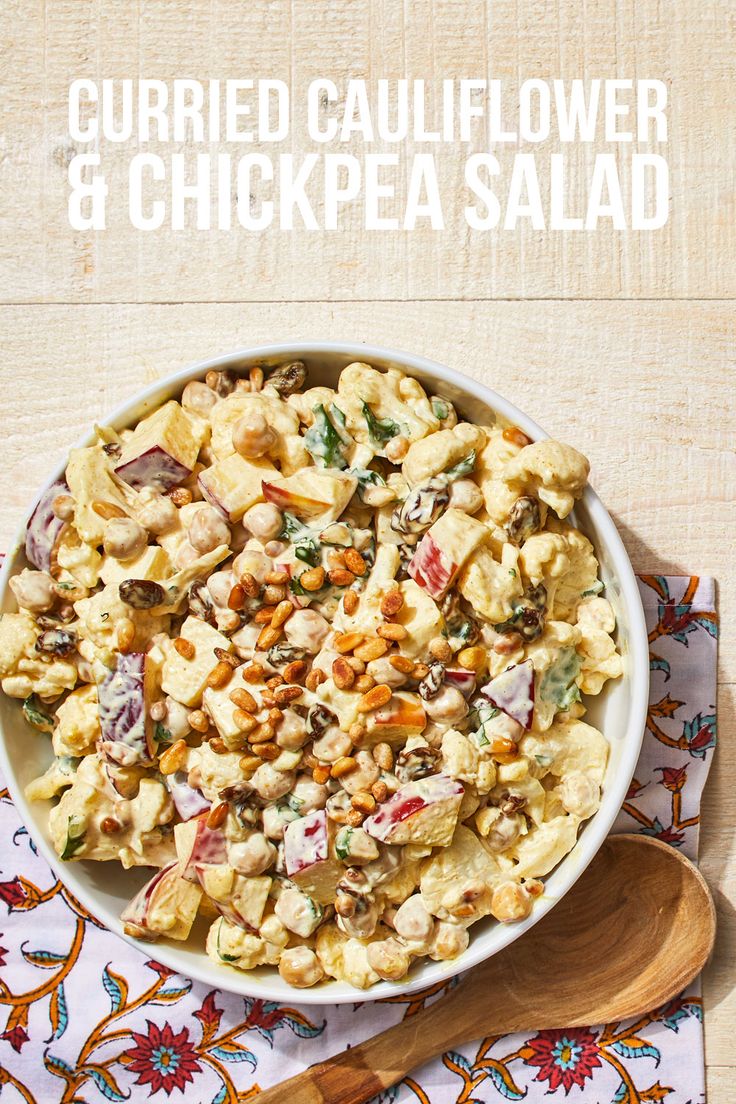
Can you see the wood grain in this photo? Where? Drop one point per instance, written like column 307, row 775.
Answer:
column 691, row 46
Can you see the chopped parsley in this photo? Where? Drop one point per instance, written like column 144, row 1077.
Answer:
column 324, row 442
column 380, row 430
column 462, row 468
column 440, row 409
column 35, row 716
column 75, row 830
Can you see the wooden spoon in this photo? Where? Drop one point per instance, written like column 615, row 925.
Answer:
column 630, row 935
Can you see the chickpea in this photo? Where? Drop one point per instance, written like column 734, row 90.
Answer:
column 199, row 398
column 275, row 819
column 253, row 436
column 449, row 941
column 33, row 590
column 271, row 784
column 364, row 775
column 412, row 921
column 361, row 924
column 158, row 515
column 510, row 902
column 338, row 805
column 311, row 794
column 292, row 733
column 332, row 745
column 273, row 931
column 298, row 912
column 384, row 672
column 275, row 548
column 466, row 495
column 579, row 794
column 208, row 530
column 448, row 706
column 306, row 629
column 300, row 967
column 63, row 507
column 264, row 520
column 388, row 958
column 251, row 856
column 124, row 538
column 219, row 584
column 251, row 562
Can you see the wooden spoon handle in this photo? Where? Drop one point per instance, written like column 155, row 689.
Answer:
column 360, row 1073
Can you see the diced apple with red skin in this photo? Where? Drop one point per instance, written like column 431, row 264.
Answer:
column 166, row 905
column 44, row 528
column 401, row 716
column 312, row 493
column 162, row 451
column 462, row 680
column 198, row 845
column 126, row 729
column 308, row 856
column 443, row 550
column 233, row 485
column 513, row 693
column 424, row 811
column 189, row 802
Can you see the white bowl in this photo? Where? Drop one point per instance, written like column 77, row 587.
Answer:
column 620, row 711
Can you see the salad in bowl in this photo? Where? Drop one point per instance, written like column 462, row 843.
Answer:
column 320, row 657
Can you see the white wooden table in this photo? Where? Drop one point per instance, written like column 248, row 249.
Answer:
column 621, row 343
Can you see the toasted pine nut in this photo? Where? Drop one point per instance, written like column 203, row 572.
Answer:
column 250, row 585
column 198, row 720
column 275, row 716
column 515, row 436
column 344, row 765
column 109, row 825
column 267, row 637
column 472, row 659
column 286, row 694
column 363, row 801
column 264, row 614
column 253, row 673
column 180, row 496
column 267, row 698
column 244, row 699
column 256, row 378
column 125, row 634
column 350, row 602
column 312, row 579
column 372, row 649
column 503, row 746
column 402, row 663
column 391, row 603
column 342, row 673
column 356, row 732
column 295, row 671
column 219, row 746
column 108, row 510
column 397, row 448
column 275, row 681
column 244, row 719
column 345, row 642
column 336, row 558
column 375, row 698
column 268, row 751
column 354, row 817
column 507, row 643
column 158, row 711
column 249, row 763
column 440, row 650
column 236, row 599
column 357, row 664
column 277, row 578
column 173, row 758
column 282, row 613
column 390, row 630
column 420, row 671
column 217, row 815
column 184, row 647
column 273, row 594
column 341, row 577
column 379, row 790
column 354, row 561
column 383, row 756
column 262, row 733
column 228, row 657
column 364, row 683
column 219, row 676
column 314, row 678
column 321, row 774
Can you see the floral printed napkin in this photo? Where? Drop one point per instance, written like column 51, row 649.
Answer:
column 91, row 1019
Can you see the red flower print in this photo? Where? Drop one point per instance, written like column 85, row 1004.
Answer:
column 564, row 1058
column 673, row 778
column 162, row 1059
column 162, row 971
column 16, row 1037
column 12, row 893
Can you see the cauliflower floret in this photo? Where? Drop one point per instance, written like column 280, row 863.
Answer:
column 580, row 576
column 389, row 398
column 346, row 958
column 568, row 747
column 230, row 943
column 556, row 670
column 450, row 868
column 441, row 451
column 77, row 723
column 554, row 472
column 490, row 587
column 539, row 851
column 596, row 621
column 90, row 480
column 80, row 559
column 25, row 671
column 99, row 616
column 460, row 756
column 491, row 463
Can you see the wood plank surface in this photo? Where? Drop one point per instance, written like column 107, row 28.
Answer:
column 688, row 44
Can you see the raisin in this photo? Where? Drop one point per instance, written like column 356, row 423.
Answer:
column 141, row 594
column 288, row 378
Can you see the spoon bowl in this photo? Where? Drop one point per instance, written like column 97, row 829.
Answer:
column 634, row 931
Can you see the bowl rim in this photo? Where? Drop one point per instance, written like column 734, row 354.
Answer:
column 246, row 983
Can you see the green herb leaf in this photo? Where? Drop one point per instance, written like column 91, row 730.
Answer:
column 75, row 829
column 558, row 684
column 440, row 409
column 323, row 441
column 462, row 468
column 35, row 716
column 162, row 735
column 308, row 552
column 380, row 430
column 596, row 588
column 224, row 957
column 342, row 842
